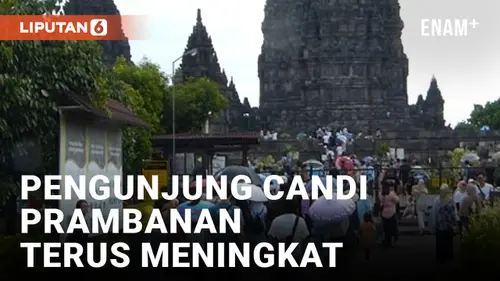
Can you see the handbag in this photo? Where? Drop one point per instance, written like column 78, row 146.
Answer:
column 483, row 197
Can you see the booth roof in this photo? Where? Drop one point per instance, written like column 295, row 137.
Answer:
column 116, row 111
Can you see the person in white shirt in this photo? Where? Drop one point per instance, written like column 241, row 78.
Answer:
column 483, row 188
column 274, row 136
column 340, row 151
column 326, row 139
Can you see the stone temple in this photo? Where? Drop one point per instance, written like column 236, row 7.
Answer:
column 330, row 62
column 111, row 50
column 341, row 63
column 238, row 116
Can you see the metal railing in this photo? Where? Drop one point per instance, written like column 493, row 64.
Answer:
column 437, row 176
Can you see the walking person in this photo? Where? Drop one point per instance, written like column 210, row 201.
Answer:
column 421, row 195
column 388, row 202
column 443, row 222
column 367, row 235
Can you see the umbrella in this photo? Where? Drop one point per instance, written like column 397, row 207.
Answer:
column 368, row 159
column 342, row 138
column 331, row 210
column 301, row 136
column 471, row 157
column 312, row 163
column 232, row 171
column 345, row 163
column 417, row 170
column 257, row 192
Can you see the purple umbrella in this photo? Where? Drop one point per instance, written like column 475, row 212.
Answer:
column 306, row 204
column 331, row 210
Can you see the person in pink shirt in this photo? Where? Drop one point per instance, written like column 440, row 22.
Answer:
column 388, row 202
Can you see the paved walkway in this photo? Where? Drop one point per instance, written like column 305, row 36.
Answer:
column 411, row 255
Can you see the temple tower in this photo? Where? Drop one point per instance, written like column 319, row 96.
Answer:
column 333, row 62
column 111, row 50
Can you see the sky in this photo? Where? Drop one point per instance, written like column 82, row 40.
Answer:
column 465, row 67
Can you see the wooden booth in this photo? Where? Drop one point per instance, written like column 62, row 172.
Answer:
column 207, row 144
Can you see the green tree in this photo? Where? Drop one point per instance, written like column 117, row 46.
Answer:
column 455, row 156
column 34, row 77
column 465, row 127
column 487, row 115
column 196, row 100
column 143, row 87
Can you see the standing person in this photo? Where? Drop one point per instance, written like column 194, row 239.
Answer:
column 484, row 189
column 388, row 201
column 443, row 223
column 460, row 194
column 404, row 174
column 289, row 228
column 467, row 171
column 420, row 193
column 391, row 178
column 470, row 204
column 367, row 235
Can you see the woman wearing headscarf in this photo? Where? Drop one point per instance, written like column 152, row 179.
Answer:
column 442, row 222
column 471, row 204
column 460, row 194
column 421, row 195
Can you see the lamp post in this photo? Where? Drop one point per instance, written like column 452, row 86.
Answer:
column 191, row 52
column 247, row 116
column 206, row 129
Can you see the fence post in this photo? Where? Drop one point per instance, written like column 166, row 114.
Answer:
column 440, row 174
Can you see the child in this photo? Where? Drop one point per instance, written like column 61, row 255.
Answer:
column 367, row 234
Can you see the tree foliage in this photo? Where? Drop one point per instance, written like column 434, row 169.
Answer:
column 196, row 100
column 481, row 243
column 487, row 115
column 34, row 75
column 455, row 156
column 465, row 127
column 143, row 86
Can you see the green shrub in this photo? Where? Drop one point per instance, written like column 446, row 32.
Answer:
column 481, row 245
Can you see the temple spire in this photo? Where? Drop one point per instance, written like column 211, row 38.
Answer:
column 433, row 82
column 434, row 94
column 198, row 17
